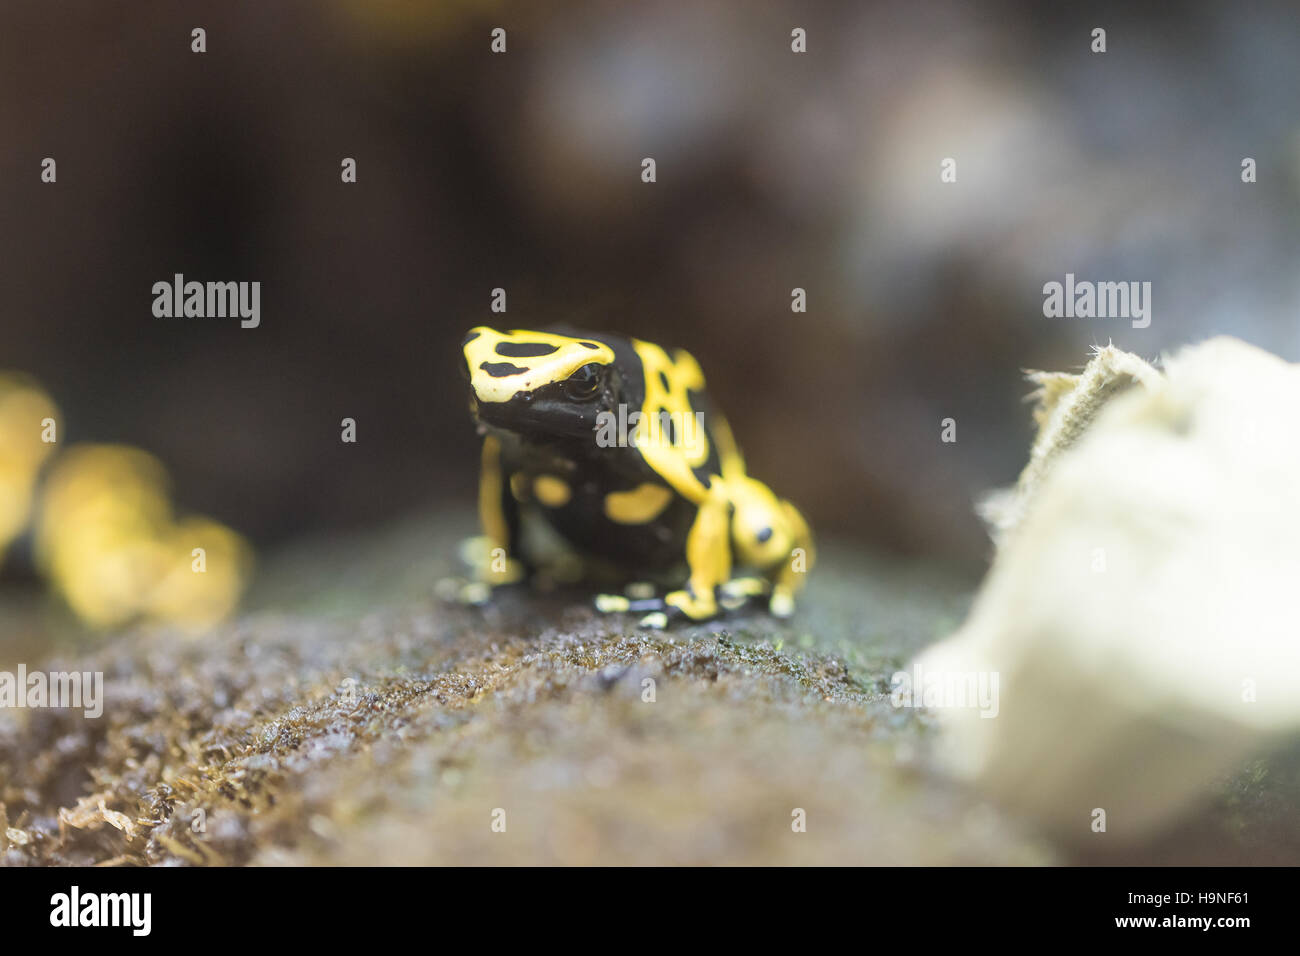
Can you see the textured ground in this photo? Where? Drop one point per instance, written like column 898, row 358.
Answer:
column 357, row 719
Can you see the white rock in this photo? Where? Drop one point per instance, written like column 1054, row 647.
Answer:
column 1143, row 610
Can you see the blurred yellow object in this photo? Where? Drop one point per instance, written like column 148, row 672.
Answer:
column 26, row 418
column 199, row 598
column 108, row 542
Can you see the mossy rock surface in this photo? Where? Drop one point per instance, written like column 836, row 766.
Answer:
column 356, row 719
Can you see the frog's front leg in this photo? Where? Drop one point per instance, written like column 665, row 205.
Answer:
column 708, row 557
column 497, row 563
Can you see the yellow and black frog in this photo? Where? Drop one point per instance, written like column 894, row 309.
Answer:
column 614, row 444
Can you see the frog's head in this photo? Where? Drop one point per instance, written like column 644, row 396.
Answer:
column 538, row 384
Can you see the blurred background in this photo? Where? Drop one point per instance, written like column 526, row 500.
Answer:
column 522, row 170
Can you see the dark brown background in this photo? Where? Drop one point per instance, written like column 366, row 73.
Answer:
column 522, row 171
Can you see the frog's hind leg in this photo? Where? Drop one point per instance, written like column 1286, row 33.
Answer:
column 789, row 578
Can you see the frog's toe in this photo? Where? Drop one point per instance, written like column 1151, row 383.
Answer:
column 510, row 572
column 657, row 611
column 697, row 608
column 738, row 592
column 612, row 603
column 490, row 564
column 782, row 604
column 474, row 551
column 461, row 591
column 745, row 587
column 475, row 592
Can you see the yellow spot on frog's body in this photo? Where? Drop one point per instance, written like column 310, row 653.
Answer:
column 638, row 506
column 551, row 491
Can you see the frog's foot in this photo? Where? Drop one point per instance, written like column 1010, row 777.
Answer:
column 463, row 591
column 782, row 603
column 489, row 569
column 491, row 566
column 731, row 596
column 636, row 596
column 622, row 604
column 657, row 612
column 738, row 592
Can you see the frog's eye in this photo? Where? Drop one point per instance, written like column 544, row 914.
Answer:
column 583, row 384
